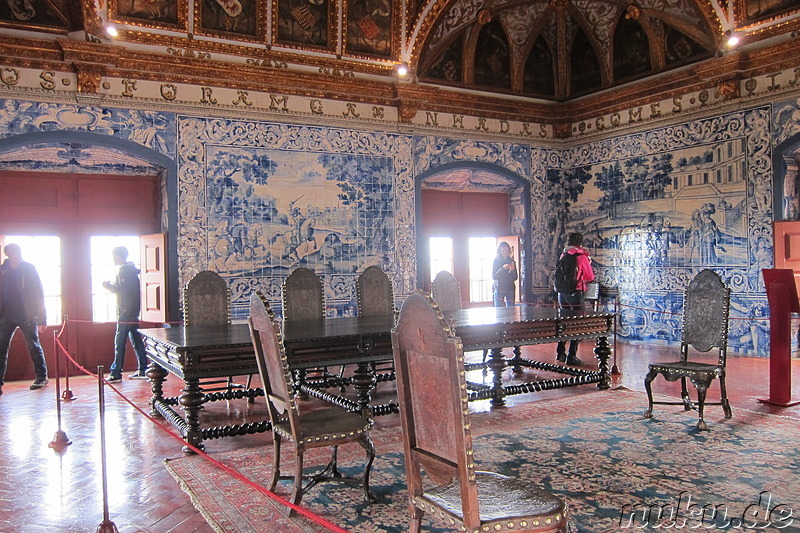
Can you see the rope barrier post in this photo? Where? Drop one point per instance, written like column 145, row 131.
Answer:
column 67, row 395
column 106, row 526
column 60, row 439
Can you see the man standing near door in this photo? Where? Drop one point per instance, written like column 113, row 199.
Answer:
column 21, row 306
column 126, row 287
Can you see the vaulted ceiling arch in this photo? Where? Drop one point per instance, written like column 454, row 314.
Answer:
column 688, row 30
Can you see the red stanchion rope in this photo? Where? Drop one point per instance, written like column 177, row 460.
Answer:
column 232, row 471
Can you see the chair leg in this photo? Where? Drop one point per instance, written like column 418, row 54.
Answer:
column 651, row 375
column 702, row 388
column 415, row 525
column 687, row 401
column 297, row 489
column 726, row 406
column 333, row 466
column 368, row 445
column 276, row 461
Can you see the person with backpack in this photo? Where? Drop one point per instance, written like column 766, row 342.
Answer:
column 573, row 271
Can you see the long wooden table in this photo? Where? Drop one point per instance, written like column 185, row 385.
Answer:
column 193, row 354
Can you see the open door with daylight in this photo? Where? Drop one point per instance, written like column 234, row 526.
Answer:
column 154, row 278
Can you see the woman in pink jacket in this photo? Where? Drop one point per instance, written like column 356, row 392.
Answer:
column 574, row 299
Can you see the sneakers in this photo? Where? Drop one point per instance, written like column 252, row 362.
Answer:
column 114, row 379
column 39, row 383
column 138, row 375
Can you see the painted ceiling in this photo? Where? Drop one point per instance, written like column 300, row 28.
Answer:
column 551, row 50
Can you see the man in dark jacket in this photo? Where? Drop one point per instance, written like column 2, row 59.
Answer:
column 21, row 306
column 126, row 287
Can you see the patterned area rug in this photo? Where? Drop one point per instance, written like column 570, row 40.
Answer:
column 616, row 470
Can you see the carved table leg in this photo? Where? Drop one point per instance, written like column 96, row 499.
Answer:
column 514, row 362
column 156, row 374
column 191, row 399
column 497, row 364
column 364, row 382
column 603, row 351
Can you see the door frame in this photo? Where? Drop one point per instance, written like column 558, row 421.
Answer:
column 526, row 257
column 169, row 181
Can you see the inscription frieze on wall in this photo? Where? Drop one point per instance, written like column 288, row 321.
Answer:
column 38, row 84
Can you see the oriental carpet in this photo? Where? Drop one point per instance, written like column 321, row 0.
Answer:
column 616, row 470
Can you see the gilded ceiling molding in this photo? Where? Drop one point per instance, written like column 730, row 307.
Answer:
column 750, row 35
column 711, row 16
column 765, row 24
column 395, row 47
column 89, row 77
column 117, row 12
column 270, row 54
column 423, row 27
column 261, row 23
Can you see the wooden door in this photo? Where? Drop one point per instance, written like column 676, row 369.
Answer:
column 154, row 278
column 460, row 215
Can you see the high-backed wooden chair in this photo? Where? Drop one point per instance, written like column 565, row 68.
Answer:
column 446, row 291
column 331, row 426
column 207, row 302
column 303, row 299
column 375, row 297
column 434, row 412
column 706, row 305
column 302, row 296
column 374, row 293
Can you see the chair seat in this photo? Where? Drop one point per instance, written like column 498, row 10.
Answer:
column 685, row 368
column 503, row 499
column 325, row 425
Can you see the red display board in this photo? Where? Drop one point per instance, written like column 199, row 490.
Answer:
column 783, row 301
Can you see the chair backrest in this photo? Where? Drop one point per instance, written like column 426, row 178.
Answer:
column 374, row 293
column 429, row 361
column 206, row 300
column 273, row 368
column 302, row 295
column 446, row 292
column 706, row 304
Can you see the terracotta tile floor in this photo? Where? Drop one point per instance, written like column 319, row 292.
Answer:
column 42, row 490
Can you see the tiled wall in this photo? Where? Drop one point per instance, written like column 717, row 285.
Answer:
column 660, row 205
column 257, row 199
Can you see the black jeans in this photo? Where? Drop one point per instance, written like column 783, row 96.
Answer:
column 569, row 301
column 30, row 331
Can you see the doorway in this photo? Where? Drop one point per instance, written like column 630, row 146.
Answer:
column 460, row 234
column 74, row 211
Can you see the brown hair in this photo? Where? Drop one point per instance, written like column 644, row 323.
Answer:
column 575, row 239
